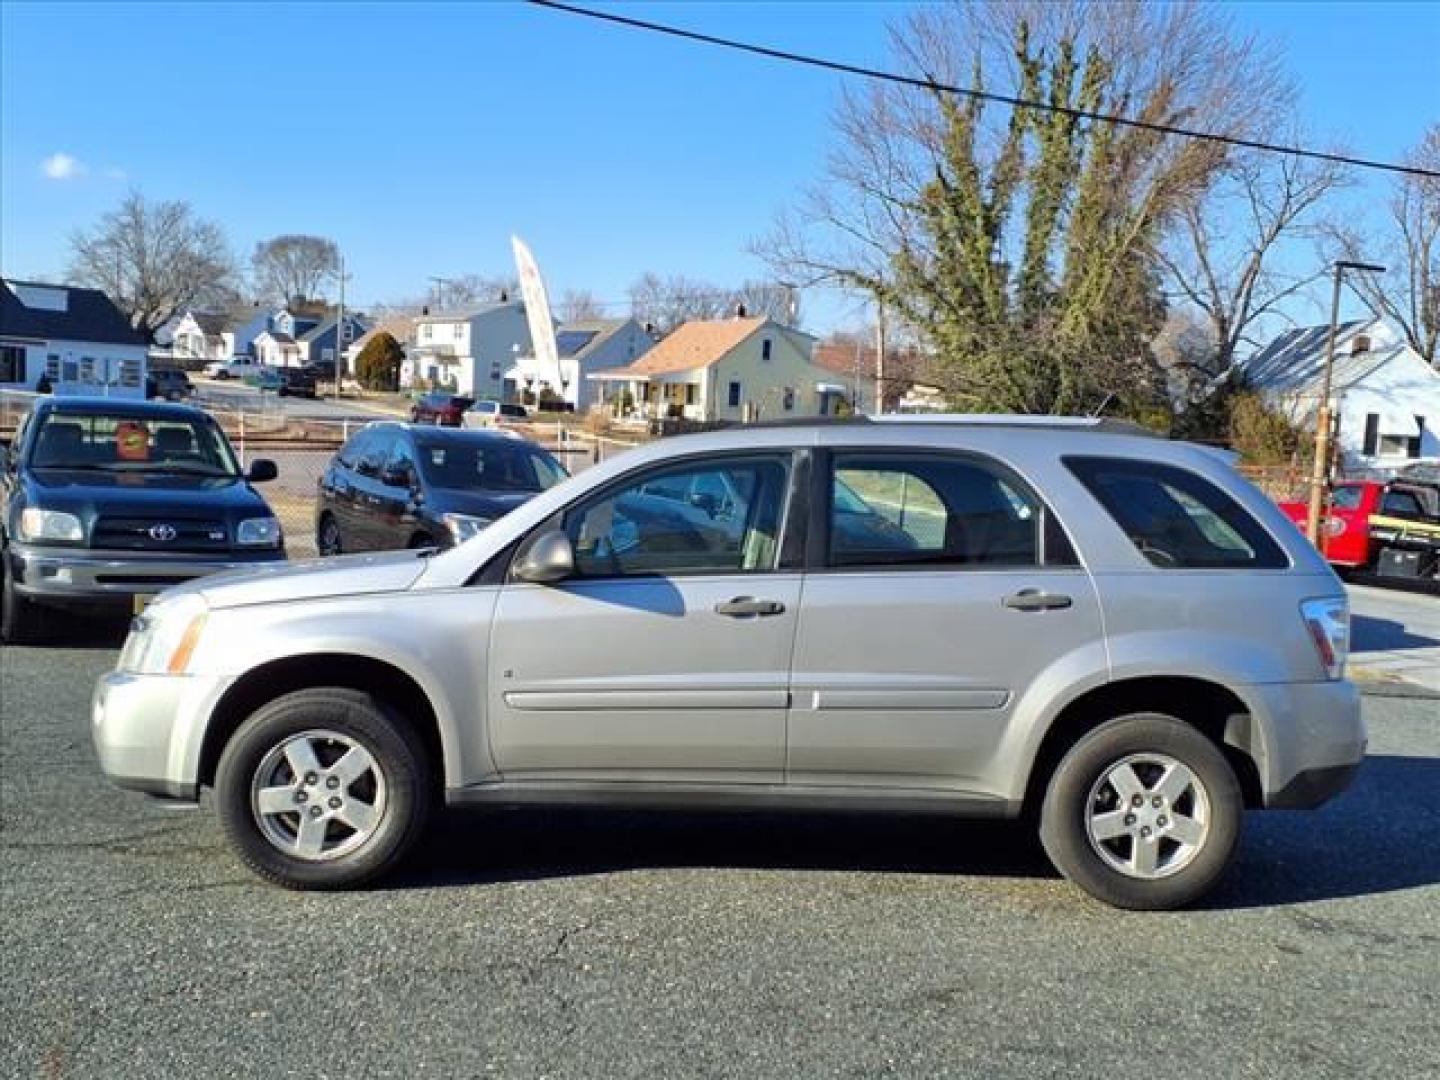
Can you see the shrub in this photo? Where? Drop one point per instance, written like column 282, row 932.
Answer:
column 378, row 365
column 1259, row 434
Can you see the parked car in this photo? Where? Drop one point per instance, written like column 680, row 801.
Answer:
column 486, row 414
column 171, row 384
column 1388, row 528
column 237, row 367
column 104, row 503
column 321, row 369
column 442, row 408
column 398, row 486
column 1113, row 633
column 285, row 382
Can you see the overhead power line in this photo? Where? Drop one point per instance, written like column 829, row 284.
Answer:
column 982, row 95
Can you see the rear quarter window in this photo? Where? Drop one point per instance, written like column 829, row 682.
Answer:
column 1176, row 518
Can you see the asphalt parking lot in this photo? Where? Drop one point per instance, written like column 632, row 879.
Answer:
column 597, row 945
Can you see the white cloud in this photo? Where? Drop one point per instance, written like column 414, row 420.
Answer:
column 61, row 166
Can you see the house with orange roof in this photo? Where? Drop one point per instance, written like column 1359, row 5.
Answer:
column 723, row 369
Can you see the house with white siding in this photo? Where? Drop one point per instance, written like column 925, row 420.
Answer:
column 585, row 347
column 1386, row 397
column 468, row 351
column 76, row 339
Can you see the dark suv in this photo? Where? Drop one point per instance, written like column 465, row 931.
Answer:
column 398, row 486
column 172, row 384
column 104, row 503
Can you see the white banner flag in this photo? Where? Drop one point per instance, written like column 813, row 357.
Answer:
column 537, row 314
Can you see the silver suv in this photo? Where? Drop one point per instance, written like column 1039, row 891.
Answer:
column 988, row 617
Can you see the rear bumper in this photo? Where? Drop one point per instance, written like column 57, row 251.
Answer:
column 86, row 578
column 1314, row 741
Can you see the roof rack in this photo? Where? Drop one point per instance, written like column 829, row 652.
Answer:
column 1100, row 424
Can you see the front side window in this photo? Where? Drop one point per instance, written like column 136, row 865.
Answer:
column 722, row 516
column 1175, row 518
column 891, row 508
column 1401, row 504
column 1347, row 497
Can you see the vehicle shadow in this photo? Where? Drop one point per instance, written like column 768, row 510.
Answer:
column 1369, row 634
column 1376, row 838
column 69, row 630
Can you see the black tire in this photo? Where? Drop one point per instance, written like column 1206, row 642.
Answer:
column 362, row 720
column 1072, row 797
column 22, row 621
column 423, row 540
column 327, row 537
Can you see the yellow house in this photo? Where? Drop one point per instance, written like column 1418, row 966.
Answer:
column 723, row 369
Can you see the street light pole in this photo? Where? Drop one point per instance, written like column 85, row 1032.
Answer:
column 1320, row 468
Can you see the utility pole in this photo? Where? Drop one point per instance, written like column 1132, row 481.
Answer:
column 340, row 328
column 1320, row 467
column 879, row 354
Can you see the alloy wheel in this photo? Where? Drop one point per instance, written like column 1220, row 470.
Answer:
column 318, row 795
column 1148, row 816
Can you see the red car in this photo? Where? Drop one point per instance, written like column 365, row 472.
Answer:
column 443, row 408
column 1348, row 539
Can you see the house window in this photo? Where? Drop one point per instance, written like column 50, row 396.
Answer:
column 788, row 400
column 734, row 395
column 1394, row 445
column 495, row 369
column 765, row 350
column 12, row 364
column 425, row 332
column 689, row 393
column 1372, row 434
column 52, row 366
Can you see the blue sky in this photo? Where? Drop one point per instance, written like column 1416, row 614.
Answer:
column 421, row 136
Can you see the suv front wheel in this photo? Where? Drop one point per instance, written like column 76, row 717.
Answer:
column 1143, row 812
column 323, row 789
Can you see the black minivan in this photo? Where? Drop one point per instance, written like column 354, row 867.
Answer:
column 412, row 486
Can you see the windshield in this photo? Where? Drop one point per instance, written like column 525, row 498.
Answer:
column 489, row 465
column 116, row 442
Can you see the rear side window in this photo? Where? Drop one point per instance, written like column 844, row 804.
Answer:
column 889, row 508
column 1176, row 519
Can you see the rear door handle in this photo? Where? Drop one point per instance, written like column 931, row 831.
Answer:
column 1036, row 600
column 741, row 606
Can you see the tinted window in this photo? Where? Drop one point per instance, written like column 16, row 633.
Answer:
column 488, row 464
column 401, row 461
column 719, row 517
column 1347, row 497
column 902, row 508
column 1176, row 519
column 1401, row 504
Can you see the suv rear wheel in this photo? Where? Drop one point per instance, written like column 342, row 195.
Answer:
column 323, row 789
column 1143, row 812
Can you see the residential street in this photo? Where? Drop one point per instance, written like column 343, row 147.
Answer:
column 605, row 944
column 1396, row 635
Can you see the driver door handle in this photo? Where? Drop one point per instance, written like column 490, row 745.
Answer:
column 1036, row 600
column 741, row 606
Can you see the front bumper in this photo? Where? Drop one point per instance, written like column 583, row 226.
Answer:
column 143, row 730
column 58, row 576
column 1315, row 741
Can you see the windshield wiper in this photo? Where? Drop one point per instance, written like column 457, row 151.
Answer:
column 168, row 467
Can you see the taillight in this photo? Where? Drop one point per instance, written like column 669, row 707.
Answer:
column 1328, row 621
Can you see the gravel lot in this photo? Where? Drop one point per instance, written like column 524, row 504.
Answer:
column 599, row 945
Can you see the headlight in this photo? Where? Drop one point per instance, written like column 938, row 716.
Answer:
column 463, row 526
column 164, row 638
column 258, row 532
column 50, row 525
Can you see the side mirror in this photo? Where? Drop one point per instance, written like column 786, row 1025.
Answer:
column 546, row 559
column 262, row 469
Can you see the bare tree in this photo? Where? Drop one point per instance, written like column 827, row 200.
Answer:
column 472, row 289
column 1408, row 293
column 1017, row 243
column 154, row 259
column 577, row 305
column 1220, row 255
column 665, row 303
column 768, row 299
column 294, row 266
